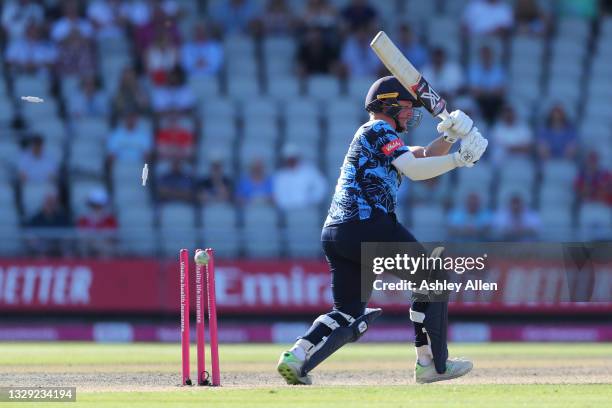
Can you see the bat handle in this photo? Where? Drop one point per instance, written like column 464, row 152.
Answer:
column 444, row 115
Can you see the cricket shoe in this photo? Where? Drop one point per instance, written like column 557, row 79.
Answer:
column 455, row 367
column 290, row 368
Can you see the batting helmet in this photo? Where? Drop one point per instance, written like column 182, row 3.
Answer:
column 383, row 97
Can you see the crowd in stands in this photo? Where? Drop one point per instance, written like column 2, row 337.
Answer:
column 185, row 86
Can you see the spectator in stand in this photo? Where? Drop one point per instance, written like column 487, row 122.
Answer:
column 516, row 223
column 322, row 15
column 18, row 15
column 98, row 225
column 487, row 17
column 357, row 56
column 216, row 186
column 129, row 142
column 161, row 58
column 443, row 74
column 298, row 183
column 593, row 183
column 235, row 16
column 70, row 23
column 176, row 184
column 131, row 95
column 529, row 17
column 411, row 47
column 98, row 216
column 76, row 55
column 278, row 19
column 89, row 100
column 31, row 53
column 106, row 18
column 255, row 186
column 359, row 14
column 162, row 22
column 35, row 165
column 174, row 140
column 203, row 55
column 52, row 215
column 175, row 96
column 470, row 222
column 487, row 80
column 557, row 139
column 511, row 137
column 316, row 54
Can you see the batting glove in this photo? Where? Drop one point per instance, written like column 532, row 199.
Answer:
column 472, row 147
column 456, row 126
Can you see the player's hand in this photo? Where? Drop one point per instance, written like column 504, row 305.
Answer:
column 456, row 126
column 473, row 145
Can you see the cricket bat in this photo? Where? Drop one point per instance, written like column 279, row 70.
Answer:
column 408, row 75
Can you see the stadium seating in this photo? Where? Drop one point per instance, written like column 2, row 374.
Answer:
column 322, row 87
column 357, row 88
column 257, row 104
column 243, row 88
column 217, row 109
column 6, row 109
column 559, row 172
column 303, row 230
column 136, row 231
column 90, row 128
column 595, row 222
column 556, row 223
column 559, row 195
column 39, row 111
column 284, row 89
column 9, row 151
column 262, row 109
column 302, row 109
column 32, row 85
column 206, row 87
column 177, row 228
column 220, row 229
column 258, row 218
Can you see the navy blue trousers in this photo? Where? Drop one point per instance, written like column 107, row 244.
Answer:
column 342, row 247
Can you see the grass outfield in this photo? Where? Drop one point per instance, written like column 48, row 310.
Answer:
column 362, row 375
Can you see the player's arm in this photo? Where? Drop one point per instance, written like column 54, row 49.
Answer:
column 472, row 148
column 424, row 168
column 456, row 126
column 438, row 147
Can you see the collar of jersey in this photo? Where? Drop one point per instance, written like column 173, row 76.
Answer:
column 384, row 122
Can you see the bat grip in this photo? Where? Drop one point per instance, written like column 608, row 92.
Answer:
column 444, row 115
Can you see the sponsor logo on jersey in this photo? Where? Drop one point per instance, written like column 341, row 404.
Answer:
column 392, row 146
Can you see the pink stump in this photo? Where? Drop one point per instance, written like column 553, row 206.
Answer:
column 201, row 341
column 212, row 318
column 184, row 273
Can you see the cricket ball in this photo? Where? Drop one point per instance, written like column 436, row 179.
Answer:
column 201, row 257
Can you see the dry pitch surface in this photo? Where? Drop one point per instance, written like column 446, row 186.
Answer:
column 147, row 375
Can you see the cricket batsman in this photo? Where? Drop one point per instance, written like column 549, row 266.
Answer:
column 363, row 210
